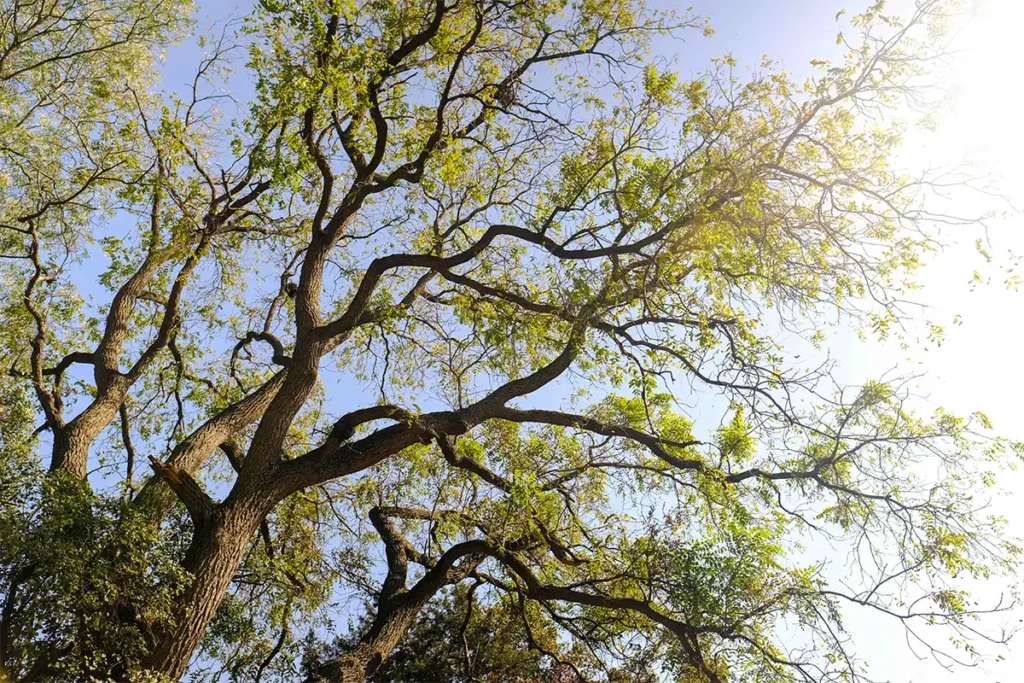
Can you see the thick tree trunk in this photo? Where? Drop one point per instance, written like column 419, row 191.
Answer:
column 70, row 454
column 71, row 443
column 215, row 556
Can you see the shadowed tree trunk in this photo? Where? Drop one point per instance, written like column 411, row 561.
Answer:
column 386, row 632
column 397, row 606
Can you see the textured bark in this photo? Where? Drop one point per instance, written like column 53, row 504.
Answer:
column 216, row 554
column 71, row 449
column 60, row 456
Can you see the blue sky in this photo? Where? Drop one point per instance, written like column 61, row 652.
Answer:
column 976, row 367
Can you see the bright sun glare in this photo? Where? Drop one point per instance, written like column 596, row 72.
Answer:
column 981, row 131
column 985, row 123
column 984, row 127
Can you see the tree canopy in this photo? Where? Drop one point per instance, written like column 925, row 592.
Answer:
column 399, row 366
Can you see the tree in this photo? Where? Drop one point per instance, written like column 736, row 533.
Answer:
column 518, row 239
column 456, row 638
